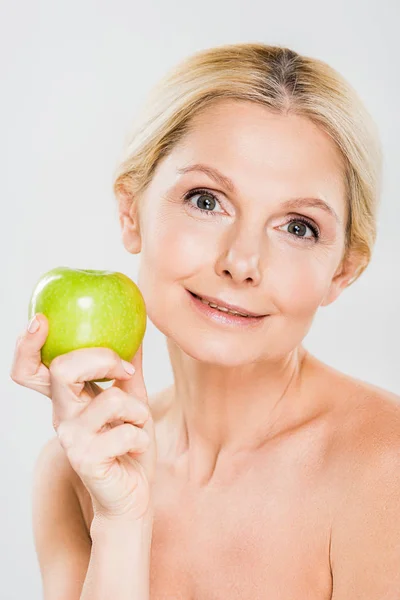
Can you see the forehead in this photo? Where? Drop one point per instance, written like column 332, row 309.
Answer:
column 283, row 144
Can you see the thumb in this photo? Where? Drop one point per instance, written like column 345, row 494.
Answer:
column 27, row 368
column 135, row 385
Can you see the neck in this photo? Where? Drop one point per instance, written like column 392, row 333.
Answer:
column 232, row 410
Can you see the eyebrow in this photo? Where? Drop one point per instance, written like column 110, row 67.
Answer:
column 226, row 182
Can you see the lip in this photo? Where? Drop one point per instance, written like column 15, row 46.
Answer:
column 226, row 305
column 224, row 318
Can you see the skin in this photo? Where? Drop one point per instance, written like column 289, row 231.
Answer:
column 272, row 466
column 275, row 473
column 235, row 389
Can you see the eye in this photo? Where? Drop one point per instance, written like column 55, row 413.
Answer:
column 207, row 201
column 301, row 224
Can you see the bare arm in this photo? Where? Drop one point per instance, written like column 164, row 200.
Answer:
column 115, row 565
column 62, row 543
column 120, row 561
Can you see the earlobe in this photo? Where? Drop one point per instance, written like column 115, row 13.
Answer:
column 339, row 283
column 346, row 272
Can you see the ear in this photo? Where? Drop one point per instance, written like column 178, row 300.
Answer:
column 129, row 220
column 346, row 271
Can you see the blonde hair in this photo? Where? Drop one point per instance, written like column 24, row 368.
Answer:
column 284, row 82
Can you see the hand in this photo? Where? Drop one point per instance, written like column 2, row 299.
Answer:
column 107, row 435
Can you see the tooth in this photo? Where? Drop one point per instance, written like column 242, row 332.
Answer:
column 231, row 312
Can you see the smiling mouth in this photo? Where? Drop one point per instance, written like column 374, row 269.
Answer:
column 226, row 310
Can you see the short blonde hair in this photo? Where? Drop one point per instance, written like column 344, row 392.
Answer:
column 284, row 82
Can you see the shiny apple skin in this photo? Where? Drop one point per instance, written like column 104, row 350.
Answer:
column 89, row 308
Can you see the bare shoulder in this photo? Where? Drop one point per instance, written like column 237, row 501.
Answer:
column 370, row 416
column 362, row 425
column 365, row 532
column 362, row 474
column 370, row 433
column 61, row 541
column 361, row 414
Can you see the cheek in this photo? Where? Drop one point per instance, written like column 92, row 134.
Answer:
column 172, row 251
column 175, row 250
column 298, row 281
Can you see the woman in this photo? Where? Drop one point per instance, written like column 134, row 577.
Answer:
column 251, row 185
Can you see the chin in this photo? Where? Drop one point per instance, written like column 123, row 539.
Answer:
column 214, row 349
column 204, row 344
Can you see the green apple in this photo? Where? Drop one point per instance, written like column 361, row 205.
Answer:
column 86, row 309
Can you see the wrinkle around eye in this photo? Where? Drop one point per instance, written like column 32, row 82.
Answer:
column 329, row 234
column 170, row 197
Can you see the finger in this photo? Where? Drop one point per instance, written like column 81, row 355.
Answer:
column 86, row 364
column 119, row 441
column 27, row 368
column 86, row 454
column 135, row 385
column 112, row 405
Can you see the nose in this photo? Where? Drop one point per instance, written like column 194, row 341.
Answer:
column 240, row 259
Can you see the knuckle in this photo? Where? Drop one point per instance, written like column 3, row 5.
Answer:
column 119, row 394
column 140, row 410
column 116, row 399
column 144, row 439
column 15, row 377
column 84, row 464
column 116, row 360
column 112, row 357
column 104, row 355
column 56, row 366
column 15, row 365
column 136, row 437
column 66, row 434
column 19, row 341
column 145, row 409
column 145, row 436
column 129, row 434
column 112, row 393
column 79, row 460
column 119, row 407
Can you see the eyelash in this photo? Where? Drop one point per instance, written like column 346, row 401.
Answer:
column 310, row 224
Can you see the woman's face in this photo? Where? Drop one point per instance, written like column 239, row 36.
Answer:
column 242, row 248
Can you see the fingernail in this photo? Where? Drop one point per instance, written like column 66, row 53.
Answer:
column 129, row 368
column 33, row 325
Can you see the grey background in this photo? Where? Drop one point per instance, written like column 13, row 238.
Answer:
column 73, row 73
